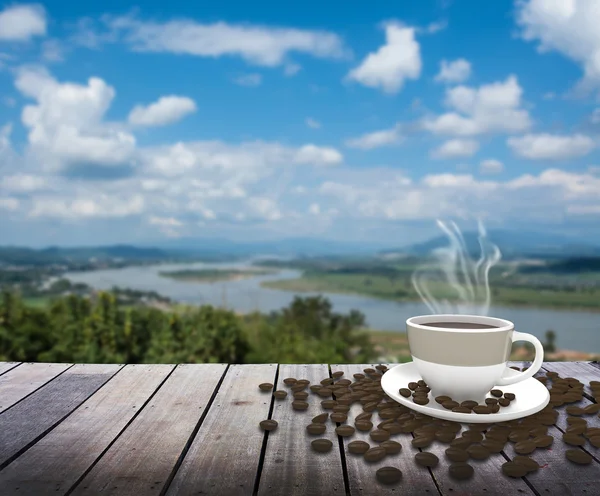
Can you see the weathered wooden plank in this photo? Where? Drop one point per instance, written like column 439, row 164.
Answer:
column 223, row 457
column 558, row 475
column 6, row 366
column 361, row 474
column 27, row 421
column 488, row 477
column 290, row 466
column 24, row 380
column 583, row 371
column 143, row 457
column 59, row 459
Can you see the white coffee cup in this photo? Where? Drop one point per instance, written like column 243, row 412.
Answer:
column 465, row 356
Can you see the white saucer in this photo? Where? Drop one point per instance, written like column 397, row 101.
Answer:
column 531, row 396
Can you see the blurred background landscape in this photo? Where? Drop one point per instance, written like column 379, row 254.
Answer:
column 260, row 182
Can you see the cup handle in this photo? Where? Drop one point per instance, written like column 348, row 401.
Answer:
column 535, row 366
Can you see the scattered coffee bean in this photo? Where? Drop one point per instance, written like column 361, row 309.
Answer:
column 539, row 431
column 461, row 442
column 327, row 381
column 469, row 404
column 265, row 386
column 515, row 470
column 543, row 441
column 300, row 395
column 579, row 456
column 478, row 452
column 364, row 416
column 321, row 418
column 573, row 439
column 315, row 428
column 574, row 410
column 290, row 381
column 421, row 401
column 299, row 405
column 450, row 404
column 379, row 435
column 461, row 409
column 345, row 430
column 322, row 445
column 482, row 409
column 388, row 475
column 457, row 454
column 496, row 393
column 358, row 376
column 391, row 447
column 375, row 454
column 524, row 447
column 595, row 441
column 509, row 396
column 339, row 417
column 328, row 404
column 338, row 374
column 491, row 401
column 412, row 386
column 592, row 408
column 280, row 395
column 298, row 387
column 268, row 425
column 341, row 408
column 576, row 420
column 529, row 463
column 369, row 371
column 426, row 459
column 473, row 435
column 504, row 402
column 405, row 392
column 460, row 470
column 422, row 441
column 445, row 436
column 493, row 445
column 358, row 447
column 442, row 399
column 363, row 425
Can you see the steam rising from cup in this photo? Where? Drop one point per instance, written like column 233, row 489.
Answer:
column 462, row 282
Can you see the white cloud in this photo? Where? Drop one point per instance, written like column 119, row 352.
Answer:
column 313, row 123
column 248, row 80
column 166, row 110
column 10, row 204
column 53, row 51
column 314, row 209
column 291, row 69
column 319, row 155
column 22, row 22
column 491, row 108
column 491, row 166
column 393, row 63
column 102, row 205
column 569, row 27
column 456, row 148
column 65, row 125
column 595, row 118
column 551, row 146
column 23, row 183
column 435, row 27
column 264, row 208
column 259, row 45
column 376, row 139
column 457, row 71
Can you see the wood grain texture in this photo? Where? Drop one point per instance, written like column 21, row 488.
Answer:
column 55, row 462
column 144, row 455
column 224, row 455
column 6, row 366
column 361, row 474
column 559, row 476
column 291, row 467
column 21, row 381
column 23, row 424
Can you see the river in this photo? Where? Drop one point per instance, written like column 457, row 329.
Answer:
column 575, row 330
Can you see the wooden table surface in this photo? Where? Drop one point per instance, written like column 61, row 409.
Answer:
column 193, row 430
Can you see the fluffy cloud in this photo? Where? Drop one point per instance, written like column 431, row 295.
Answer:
column 65, row 125
column 456, row 148
column 248, row 80
column 393, row 63
column 167, row 110
column 491, row 166
column 490, row 108
column 22, row 22
column 457, row 71
column 569, row 27
column 551, row 146
column 312, row 123
column 376, row 139
column 258, row 45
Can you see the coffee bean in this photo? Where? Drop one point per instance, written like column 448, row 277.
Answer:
column 321, row 445
column 461, row 442
column 539, row 431
column 595, row 441
column 379, row 435
column 525, row 447
column 394, row 428
column 363, row 425
column 478, row 452
column 345, row 430
column 280, row 395
column 518, row 435
column 388, row 475
column 529, row 463
column 573, row 439
column 412, row 386
column 364, row 416
column 358, row 447
column 482, row 409
column 421, row 401
column 375, row 454
column 574, row 410
column 497, row 435
column 426, row 459
column 494, row 408
column 493, row 445
column 299, row 405
column 576, row 420
column 457, row 454
column 315, row 428
column 460, row 470
column 503, row 402
column 300, row 395
column 515, row 470
column 328, row 404
column 339, row 417
column 445, row 436
column 338, row 374
column 341, row 408
column 441, row 399
column 591, row 432
column 290, row 381
column 298, row 387
column 461, row 409
column 320, row 419
column 450, row 404
column 579, row 456
column 325, row 392
column 369, row 371
column 268, row 425
column 515, row 368
column 592, row 408
column 473, row 435
column 552, row 375
column 304, row 382
column 509, row 396
column 491, row 401
column 496, row 393
column 265, row 386
column 429, row 429
column 543, row 441
column 469, row 404
column 422, row 441
column 405, row 392
column 327, row 381
column 391, row 447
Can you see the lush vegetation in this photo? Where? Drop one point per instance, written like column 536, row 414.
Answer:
column 98, row 330
column 213, row 275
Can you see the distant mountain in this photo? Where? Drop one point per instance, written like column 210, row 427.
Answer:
column 512, row 244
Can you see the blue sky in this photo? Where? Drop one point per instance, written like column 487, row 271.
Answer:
column 252, row 121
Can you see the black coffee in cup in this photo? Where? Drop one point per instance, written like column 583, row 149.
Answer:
column 458, row 325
